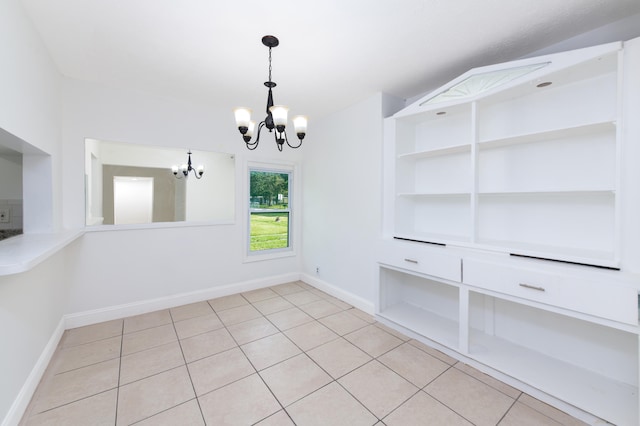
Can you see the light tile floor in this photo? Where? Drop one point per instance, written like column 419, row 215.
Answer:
column 284, row 355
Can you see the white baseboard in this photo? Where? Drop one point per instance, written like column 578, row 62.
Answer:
column 20, row 404
column 356, row 301
column 95, row 316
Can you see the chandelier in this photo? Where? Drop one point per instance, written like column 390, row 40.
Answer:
column 276, row 114
column 184, row 169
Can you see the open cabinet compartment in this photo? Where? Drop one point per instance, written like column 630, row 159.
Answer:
column 588, row 365
column 425, row 306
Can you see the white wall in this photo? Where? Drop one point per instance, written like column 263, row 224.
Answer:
column 154, row 263
column 30, row 310
column 342, row 197
column 30, row 85
column 31, row 304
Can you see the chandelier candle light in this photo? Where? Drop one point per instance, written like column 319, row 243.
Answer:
column 184, row 170
column 276, row 114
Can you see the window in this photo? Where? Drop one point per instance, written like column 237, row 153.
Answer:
column 479, row 83
column 269, row 210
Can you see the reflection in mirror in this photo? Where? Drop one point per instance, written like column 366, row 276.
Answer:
column 134, row 184
column 11, row 223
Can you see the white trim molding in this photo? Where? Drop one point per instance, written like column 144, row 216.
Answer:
column 95, row 316
column 20, row 404
column 356, row 301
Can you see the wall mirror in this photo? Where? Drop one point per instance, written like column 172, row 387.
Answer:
column 134, row 184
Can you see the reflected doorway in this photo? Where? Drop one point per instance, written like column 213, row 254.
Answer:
column 132, row 200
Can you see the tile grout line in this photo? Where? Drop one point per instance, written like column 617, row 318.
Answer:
column 487, row 384
column 84, row 366
column 257, row 372
column 418, row 389
column 186, row 365
column 282, row 332
column 281, row 361
column 68, row 403
column 451, row 408
column 115, row 422
column 423, row 389
column 507, row 411
column 237, row 346
column 379, row 419
column 373, row 358
column 333, row 380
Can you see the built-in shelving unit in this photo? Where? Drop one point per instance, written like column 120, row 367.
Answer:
column 530, row 164
column 584, row 360
column 524, row 183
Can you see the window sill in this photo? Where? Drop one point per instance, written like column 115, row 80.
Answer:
column 155, row 225
column 269, row 256
column 24, row 252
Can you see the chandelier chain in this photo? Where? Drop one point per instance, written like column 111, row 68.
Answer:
column 269, row 64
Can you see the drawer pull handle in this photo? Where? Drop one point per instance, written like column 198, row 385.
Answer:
column 532, row 287
column 411, row 261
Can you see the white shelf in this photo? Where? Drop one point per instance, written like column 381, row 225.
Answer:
column 567, row 254
column 434, row 194
column 559, row 191
column 543, row 135
column 432, row 238
column 436, row 152
column 610, row 399
column 423, row 322
column 23, row 252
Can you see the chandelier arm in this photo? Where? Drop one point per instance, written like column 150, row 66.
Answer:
column 253, row 145
column 287, row 140
column 280, row 138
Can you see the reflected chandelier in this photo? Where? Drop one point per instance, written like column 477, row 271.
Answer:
column 184, row 169
column 276, row 114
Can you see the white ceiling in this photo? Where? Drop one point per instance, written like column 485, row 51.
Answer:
column 332, row 53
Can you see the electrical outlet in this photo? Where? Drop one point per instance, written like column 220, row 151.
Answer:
column 4, row 215
column 317, row 270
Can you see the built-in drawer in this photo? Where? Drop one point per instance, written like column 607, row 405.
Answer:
column 434, row 261
column 576, row 292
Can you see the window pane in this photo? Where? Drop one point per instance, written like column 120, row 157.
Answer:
column 269, row 210
column 269, row 190
column 269, row 230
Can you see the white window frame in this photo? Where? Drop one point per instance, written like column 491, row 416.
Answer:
column 291, row 169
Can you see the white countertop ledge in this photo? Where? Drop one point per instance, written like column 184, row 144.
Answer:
column 23, row 252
